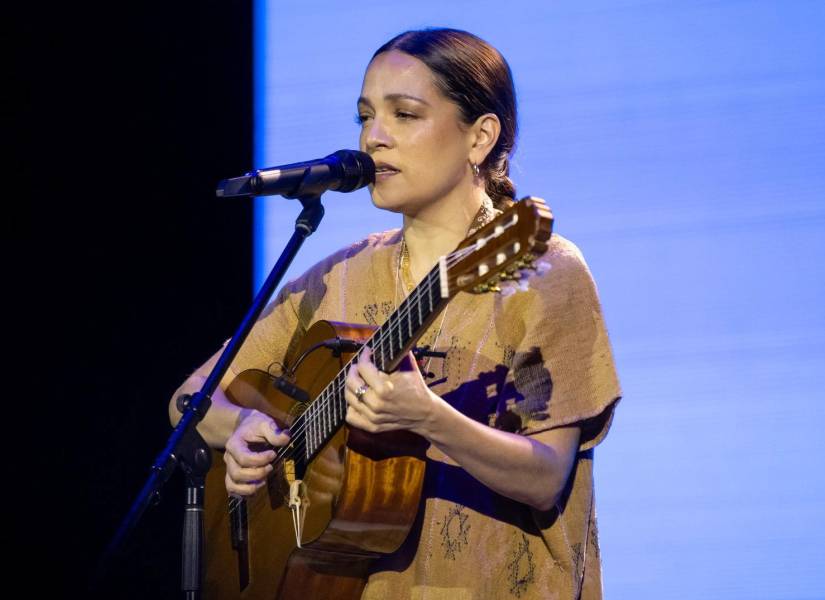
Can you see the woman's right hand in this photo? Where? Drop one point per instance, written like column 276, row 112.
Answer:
column 249, row 452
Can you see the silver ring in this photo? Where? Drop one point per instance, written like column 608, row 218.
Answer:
column 359, row 393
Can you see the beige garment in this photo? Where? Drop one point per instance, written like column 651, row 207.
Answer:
column 525, row 363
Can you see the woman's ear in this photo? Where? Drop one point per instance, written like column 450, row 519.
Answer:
column 483, row 138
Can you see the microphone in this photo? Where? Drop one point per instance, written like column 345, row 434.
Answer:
column 342, row 171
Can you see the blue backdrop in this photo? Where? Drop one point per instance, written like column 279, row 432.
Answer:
column 680, row 145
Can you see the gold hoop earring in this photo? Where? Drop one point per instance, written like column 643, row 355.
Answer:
column 476, row 170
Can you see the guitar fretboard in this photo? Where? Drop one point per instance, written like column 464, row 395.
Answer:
column 389, row 344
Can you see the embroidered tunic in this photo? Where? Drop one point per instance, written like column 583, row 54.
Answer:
column 524, row 363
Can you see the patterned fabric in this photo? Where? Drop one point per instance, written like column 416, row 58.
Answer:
column 525, row 363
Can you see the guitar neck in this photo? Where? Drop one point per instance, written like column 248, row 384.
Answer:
column 504, row 249
column 397, row 336
column 390, row 343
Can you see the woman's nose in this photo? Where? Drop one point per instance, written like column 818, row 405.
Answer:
column 376, row 135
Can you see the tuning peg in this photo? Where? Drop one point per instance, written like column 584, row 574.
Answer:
column 483, row 288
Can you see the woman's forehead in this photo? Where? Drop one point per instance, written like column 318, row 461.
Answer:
column 396, row 74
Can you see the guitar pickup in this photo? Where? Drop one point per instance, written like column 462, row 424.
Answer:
column 290, row 389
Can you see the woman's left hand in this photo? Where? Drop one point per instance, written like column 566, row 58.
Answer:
column 400, row 400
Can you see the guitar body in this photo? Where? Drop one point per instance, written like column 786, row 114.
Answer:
column 360, row 494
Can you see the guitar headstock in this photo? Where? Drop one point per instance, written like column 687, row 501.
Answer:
column 502, row 250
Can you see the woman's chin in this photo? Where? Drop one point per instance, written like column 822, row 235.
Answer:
column 384, row 202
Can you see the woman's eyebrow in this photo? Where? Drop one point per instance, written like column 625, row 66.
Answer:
column 405, row 97
column 366, row 102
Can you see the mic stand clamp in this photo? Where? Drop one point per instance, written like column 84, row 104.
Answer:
column 195, row 459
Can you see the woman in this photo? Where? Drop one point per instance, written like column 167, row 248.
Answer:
column 528, row 385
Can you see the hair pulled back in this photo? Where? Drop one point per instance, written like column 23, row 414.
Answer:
column 475, row 76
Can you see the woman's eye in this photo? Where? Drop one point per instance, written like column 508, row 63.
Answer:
column 404, row 115
column 361, row 119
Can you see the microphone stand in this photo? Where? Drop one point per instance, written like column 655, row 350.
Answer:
column 185, row 446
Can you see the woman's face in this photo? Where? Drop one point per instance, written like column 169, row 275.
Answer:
column 413, row 133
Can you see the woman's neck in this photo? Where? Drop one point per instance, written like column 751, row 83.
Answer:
column 437, row 230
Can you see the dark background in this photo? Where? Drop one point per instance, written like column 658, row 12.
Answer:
column 126, row 269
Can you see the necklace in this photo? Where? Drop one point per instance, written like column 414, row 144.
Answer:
column 403, row 272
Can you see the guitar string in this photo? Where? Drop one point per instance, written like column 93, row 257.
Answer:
column 388, row 335
column 380, row 336
column 288, row 451
column 332, row 393
column 378, row 340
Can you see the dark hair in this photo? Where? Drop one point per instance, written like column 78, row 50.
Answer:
column 475, row 76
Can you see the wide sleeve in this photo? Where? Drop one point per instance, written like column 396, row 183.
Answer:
column 562, row 368
column 274, row 336
column 317, row 294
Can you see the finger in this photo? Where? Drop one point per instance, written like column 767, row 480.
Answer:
column 268, row 429
column 365, row 410
column 350, row 396
column 241, row 489
column 239, row 450
column 409, row 363
column 246, row 456
column 354, row 380
column 369, row 372
column 373, row 403
column 356, row 419
column 240, row 474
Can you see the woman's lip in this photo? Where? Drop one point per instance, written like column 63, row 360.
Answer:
column 384, row 171
column 382, row 175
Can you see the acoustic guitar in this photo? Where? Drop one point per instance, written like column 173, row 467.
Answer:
column 339, row 497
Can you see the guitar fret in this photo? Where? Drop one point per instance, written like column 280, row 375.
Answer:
column 322, row 420
column 316, row 430
column 335, row 400
column 418, row 305
column 342, row 401
column 307, row 432
column 382, row 366
column 307, row 435
column 314, row 421
column 335, row 405
column 327, row 417
column 311, row 431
